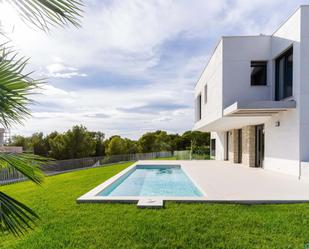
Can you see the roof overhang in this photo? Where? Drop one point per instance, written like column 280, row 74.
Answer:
column 258, row 108
column 241, row 114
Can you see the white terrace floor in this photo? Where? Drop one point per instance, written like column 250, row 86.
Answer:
column 224, row 181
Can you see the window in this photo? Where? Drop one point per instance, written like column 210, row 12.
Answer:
column 258, row 73
column 198, row 107
column 205, row 94
column 213, row 147
column 284, row 75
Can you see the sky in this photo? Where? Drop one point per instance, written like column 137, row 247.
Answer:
column 132, row 66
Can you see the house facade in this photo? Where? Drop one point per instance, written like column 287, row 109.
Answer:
column 253, row 96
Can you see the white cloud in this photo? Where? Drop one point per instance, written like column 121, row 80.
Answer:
column 126, row 38
column 120, row 36
column 58, row 70
column 100, row 110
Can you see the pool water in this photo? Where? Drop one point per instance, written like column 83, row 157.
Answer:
column 153, row 181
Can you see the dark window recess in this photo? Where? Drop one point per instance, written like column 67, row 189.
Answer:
column 284, row 75
column 198, row 103
column 239, row 146
column 213, row 148
column 227, row 146
column 205, row 94
column 258, row 73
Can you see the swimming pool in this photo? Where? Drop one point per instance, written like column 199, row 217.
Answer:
column 143, row 180
column 153, row 180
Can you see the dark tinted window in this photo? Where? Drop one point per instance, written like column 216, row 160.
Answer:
column 284, row 75
column 205, row 94
column 259, row 73
column 198, row 108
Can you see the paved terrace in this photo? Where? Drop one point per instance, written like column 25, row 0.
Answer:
column 224, row 181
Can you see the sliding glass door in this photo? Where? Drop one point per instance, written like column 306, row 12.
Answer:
column 284, row 75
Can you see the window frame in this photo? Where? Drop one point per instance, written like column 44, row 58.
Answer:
column 262, row 64
column 288, row 52
column 198, row 103
column 205, row 94
column 213, row 147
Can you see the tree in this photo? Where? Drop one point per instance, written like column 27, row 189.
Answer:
column 21, row 141
column 162, row 141
column 147, row 141
column 176, row 142
column 196, row 137
column 132, row 146
column 57, row 147
column 98, row 138
column 79, row 142
column 39, row 144
column 15, row 87
column 116, row 146
column 155, row 141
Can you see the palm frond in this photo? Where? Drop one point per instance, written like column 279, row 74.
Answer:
column 15, row 216
column 15, row 86
column 46, row 13
column 27, row 164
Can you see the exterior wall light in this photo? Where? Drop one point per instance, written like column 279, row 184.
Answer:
column 277, row 124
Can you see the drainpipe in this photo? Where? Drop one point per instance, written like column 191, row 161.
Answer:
column 299, row 171
column 300, row 154
column 299, row 177
column 299, row 162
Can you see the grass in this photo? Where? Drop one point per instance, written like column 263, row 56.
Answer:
column 65, row 224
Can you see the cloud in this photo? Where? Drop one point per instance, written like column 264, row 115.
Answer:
column 141, row 58
column 153, row 108
column 97, row 115
column 58, row 70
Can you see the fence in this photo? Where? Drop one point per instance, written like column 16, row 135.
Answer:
column 188, row 155
column 11, row 176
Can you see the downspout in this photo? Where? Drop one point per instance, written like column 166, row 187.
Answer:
column 300, row 153
column 299, row 161
column 298, row 106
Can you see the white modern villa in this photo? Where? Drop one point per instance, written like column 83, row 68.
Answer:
column 253, row 96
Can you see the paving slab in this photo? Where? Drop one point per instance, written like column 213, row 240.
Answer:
column 228, row 182
column 150, row 203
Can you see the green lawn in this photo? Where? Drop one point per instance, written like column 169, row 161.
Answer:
column 65, row 224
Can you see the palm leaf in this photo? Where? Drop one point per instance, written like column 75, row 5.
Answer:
column 15, row 216
column 15, row 87
column 46, row 13
column 27, row 164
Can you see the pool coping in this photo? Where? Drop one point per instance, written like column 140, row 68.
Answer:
column 93, row 197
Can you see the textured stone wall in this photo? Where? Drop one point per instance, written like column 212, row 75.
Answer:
column 248, row 146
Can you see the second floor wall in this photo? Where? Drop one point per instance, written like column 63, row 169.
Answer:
column 228, row 76
column 240, row 55
column 208, row 90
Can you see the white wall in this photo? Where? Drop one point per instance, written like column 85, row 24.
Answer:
column 212, row 76
column 282, row 143
column 228, row 79
column 304, row 88
column 238, row 53
column 220, row 144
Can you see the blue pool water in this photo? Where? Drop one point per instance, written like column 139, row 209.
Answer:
column 153, row 181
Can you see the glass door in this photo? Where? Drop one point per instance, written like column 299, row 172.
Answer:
column 259, row 146
column 239, row 146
